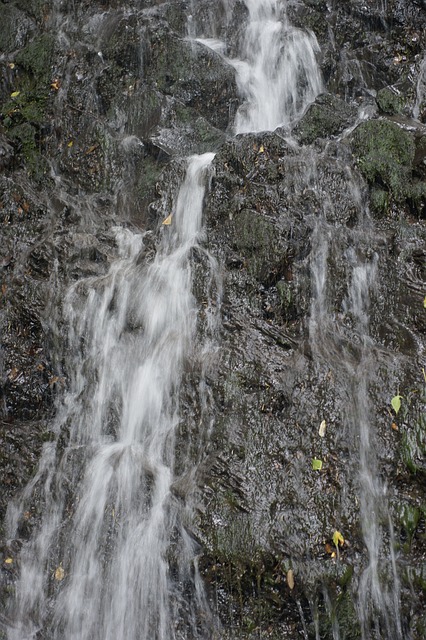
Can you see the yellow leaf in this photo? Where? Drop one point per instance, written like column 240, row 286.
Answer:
column 424, row 302
column 290, row 578
column 261, row 149
column 338, row 538
column 8, row 560
column 322, row 429
column 59, row 573
column 168, row 220
column 70, row 143
column 15, row 94
column 316, row 464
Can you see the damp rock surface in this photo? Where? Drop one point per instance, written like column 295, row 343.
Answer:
column 98, row 105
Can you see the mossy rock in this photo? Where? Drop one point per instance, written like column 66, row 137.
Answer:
column 327, row 116
column 25, row 137
column 416, row 194
column 385, row 155
column 36, row 58
column 389, row 102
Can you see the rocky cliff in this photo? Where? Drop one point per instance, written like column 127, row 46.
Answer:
column 318, row 230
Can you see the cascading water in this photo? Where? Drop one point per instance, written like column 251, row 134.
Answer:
column 102, row 564
column 354, row 359
column 97, row 567
column 278, row 75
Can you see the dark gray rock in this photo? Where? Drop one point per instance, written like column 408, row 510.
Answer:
column 327, row 116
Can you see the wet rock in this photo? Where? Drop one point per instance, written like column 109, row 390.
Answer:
column 99, row 147
column 385, row 155
column 389, row 102
column 195, row 75
column 17, row 27
column 327, row 116
column 6, row 152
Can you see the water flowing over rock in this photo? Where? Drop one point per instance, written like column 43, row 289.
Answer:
column 213, row 318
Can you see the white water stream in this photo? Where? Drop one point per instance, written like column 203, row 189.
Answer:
column 98, row 567
column 278, row 75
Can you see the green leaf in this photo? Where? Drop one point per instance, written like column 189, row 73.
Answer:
column 338, row 538
column 396, row 403
column 316, row 464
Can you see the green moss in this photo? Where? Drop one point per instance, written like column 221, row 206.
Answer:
column 379, row 201
column 24, row 136
column 409, row 519
column 416, row 194
column 389, row 102
column 385, row 154
column 36, row 58
column 328, row 116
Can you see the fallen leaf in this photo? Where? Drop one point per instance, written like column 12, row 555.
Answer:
column 261, row 149
column 168, row 220
column 394, row 426
column 396, row 403
column 70, row 143
column 11, row 65
column 316, row 464
column 322, row 429
column 15, row 94
column 56, row 84
column 290, row 578
column 424, row 303
column 92, row 148
column 338, row 539
column 59, row 573
column 8, row 561
column 328, row 548
column 13, row 374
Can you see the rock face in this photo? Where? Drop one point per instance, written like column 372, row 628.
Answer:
column 320, row 241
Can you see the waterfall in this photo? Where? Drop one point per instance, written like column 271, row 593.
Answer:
column 277, row 75
column 354, row 358
column 111, row 557
column 98, row 566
